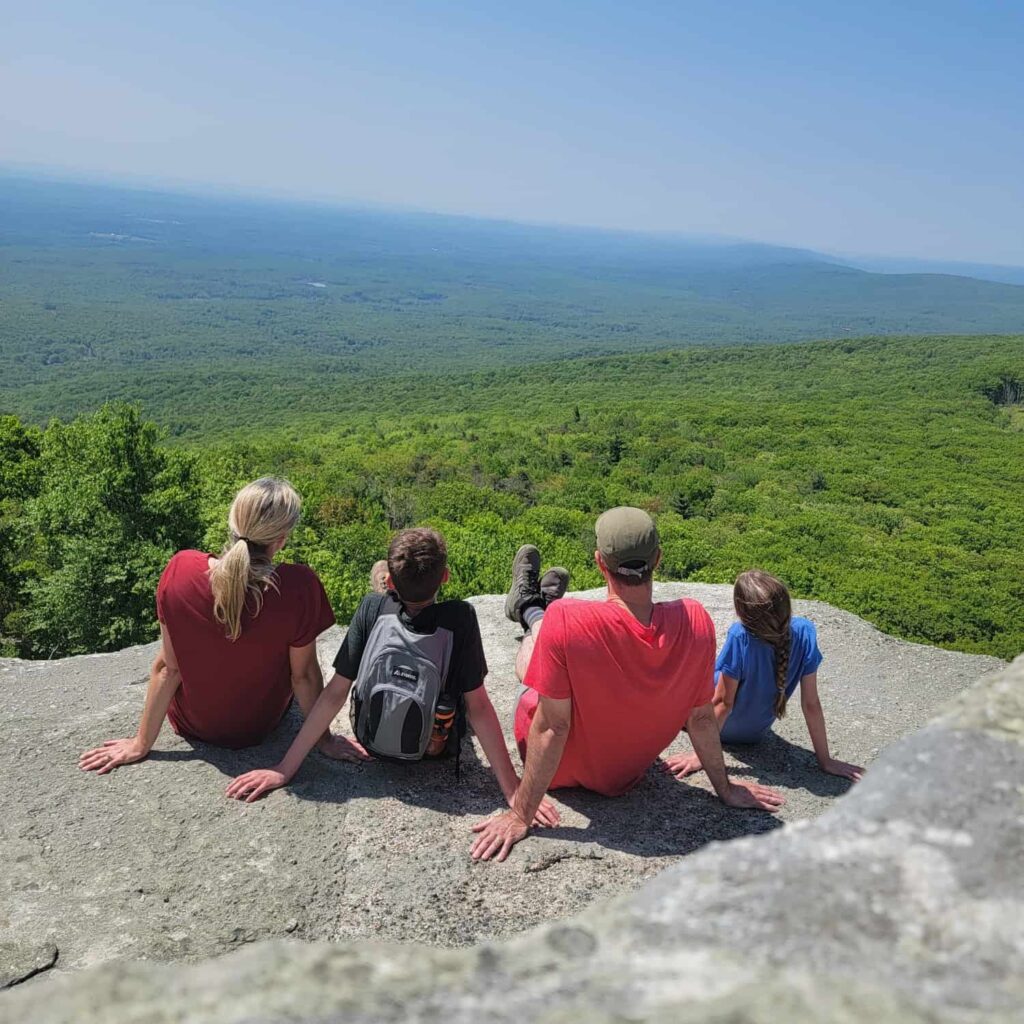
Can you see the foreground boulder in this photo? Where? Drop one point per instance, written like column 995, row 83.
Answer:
column 905, row 895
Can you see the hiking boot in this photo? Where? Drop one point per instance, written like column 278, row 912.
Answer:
column 553, row 584
column 525, row 582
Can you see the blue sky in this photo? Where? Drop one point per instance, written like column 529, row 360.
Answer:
column 890, row 128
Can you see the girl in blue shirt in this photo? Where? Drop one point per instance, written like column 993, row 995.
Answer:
column 766, row 655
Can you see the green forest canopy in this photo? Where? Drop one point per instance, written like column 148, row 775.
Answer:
column 202, row 308
column 883, row 475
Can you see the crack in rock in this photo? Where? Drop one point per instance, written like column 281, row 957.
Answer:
column 18, row 964
column 551, row 859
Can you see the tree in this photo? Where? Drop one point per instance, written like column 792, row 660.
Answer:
column 692, row 493
column 113, row 505
column 19, row 481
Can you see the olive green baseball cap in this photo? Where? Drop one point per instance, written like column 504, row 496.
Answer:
column 627, row 540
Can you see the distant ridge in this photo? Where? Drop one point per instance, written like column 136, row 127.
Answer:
column 50, row 211
column 907, row 265
column 22, row 190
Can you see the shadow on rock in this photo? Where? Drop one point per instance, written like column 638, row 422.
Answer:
column 432, row 785
column 775, row 761
column 659, row 817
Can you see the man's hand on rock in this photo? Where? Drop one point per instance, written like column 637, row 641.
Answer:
column 547, row 815
column 852, row 772
column 496, row 836
column 681, row 765
column 252, row 785
column 752, row 795
column 112, row 754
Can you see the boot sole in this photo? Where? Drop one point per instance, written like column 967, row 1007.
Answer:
column 511, row 596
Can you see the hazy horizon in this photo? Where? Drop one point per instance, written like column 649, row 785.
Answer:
column 900, row 263
column 240, row 193
column 868, row 130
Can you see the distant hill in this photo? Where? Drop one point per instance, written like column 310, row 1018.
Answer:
column 56, row 213
column 903, row 265
column 110, row 292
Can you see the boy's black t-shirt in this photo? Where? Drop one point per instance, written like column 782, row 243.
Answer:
column 468, row 666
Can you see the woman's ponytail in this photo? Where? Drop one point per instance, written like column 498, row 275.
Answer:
column 262, row 512
column 763, row 606
column 229, row 581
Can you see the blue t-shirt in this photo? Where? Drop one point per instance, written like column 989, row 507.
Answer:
column 752, row 662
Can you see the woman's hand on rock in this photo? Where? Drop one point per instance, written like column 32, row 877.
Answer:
column 112, row 754
column 340, row 748
column 252, row 785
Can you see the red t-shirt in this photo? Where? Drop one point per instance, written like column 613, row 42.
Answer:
column 632, row 686
column 233, row 692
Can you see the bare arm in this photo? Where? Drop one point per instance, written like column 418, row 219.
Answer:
column 164, row 680
column 682, row 765
column 548, row 735
column 810, row 703
column 725, row 697
column 307, row 682
column 702, row 726
column 703, row 730
column 549, row 732
column 252, row 785
column 485, row 724
column 318, row 722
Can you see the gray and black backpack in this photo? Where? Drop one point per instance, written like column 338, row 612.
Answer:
column 402, row 677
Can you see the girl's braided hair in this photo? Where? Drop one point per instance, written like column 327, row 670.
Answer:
column 763, row 606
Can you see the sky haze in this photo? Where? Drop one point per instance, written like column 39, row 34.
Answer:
column 880, row 128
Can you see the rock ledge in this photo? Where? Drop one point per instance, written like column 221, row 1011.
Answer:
column 902, row 901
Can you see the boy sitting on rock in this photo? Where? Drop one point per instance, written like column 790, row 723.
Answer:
column 418, row 667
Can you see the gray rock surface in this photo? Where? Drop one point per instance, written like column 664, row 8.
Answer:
column 902, row 901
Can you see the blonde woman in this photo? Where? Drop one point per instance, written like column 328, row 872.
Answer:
column 238, row 638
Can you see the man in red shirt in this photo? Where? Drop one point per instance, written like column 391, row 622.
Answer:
column 609, row 684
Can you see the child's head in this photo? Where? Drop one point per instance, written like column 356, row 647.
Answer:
column 379, row 576
column 418, row 564
column 763, row 606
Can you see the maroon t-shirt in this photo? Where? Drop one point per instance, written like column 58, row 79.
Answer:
column 233, row 692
